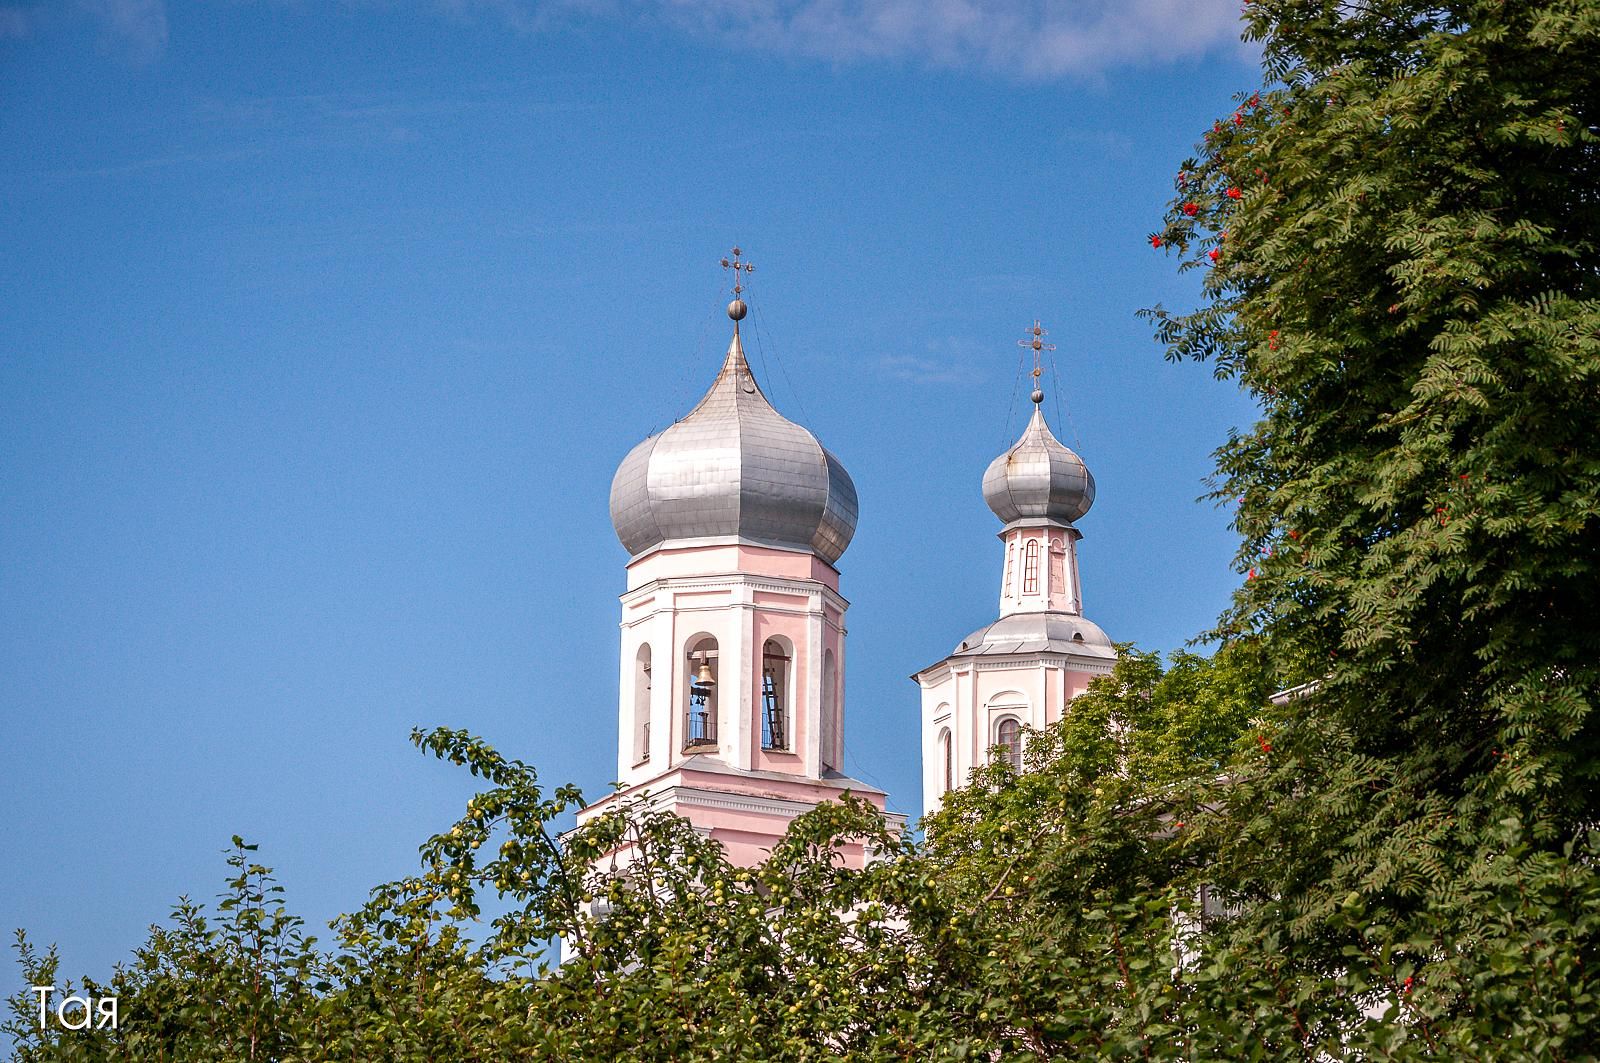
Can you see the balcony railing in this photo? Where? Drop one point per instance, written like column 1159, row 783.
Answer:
column 700, row 725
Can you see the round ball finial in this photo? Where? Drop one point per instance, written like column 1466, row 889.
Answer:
column 1037, row 396
column 737, row 310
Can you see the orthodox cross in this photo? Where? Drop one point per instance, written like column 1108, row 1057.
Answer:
column 737, row 266
column 1036, row 341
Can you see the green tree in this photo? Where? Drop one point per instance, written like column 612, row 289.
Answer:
column 1398, row 236
column 1156, row 725
column 676, row 954
column 224, row 986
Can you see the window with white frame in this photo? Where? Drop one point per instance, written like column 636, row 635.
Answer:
column 1030, row 567
column 947, row 758
column 1008, row 741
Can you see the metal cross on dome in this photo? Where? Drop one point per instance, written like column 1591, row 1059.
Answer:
column 1036, row 341
column 737, row 266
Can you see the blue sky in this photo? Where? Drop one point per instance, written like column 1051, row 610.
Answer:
column 325, row 325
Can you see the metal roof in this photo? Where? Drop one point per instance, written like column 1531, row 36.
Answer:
column 1038, row 478
column 1038, row 632
column 734, row 468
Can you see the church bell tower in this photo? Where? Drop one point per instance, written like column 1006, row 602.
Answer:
column 731, row 708
column 1022, row 669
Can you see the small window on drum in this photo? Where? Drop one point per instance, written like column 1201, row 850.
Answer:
column 1030, row 568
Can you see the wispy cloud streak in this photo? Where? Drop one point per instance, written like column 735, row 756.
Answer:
column 946, row 361
column 136, row 29
column 1030, row 39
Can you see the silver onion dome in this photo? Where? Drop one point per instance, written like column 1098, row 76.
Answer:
column 734, row 468
column 1038, row 478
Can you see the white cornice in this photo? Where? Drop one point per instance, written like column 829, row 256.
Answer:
column 696, row 542
column 771, row 584
column 683, row 796
column 819, row 597
column 1033, row 660
column 935, row 674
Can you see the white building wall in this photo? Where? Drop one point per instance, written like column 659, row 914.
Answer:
column 673, row 613
column 970, row 696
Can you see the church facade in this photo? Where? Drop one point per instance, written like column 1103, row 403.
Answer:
column 732, row 664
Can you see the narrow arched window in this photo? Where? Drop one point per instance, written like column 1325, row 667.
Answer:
column 1030, row 567
column 774, row 696
column 828, row 738
column 641, row 705
column 947, row 756
column 700, row 719
column 1008, row 742
column 1011, row 558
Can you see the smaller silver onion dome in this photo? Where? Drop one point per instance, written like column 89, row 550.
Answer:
column 1038, row 478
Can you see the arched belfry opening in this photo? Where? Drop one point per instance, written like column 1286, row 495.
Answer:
column 775, row 686
column 700, row 718
column 828, row 725
column 642, row 683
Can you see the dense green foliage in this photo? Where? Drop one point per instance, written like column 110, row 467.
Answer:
column 675, row 954
column 1399, row 242
column 1398, row 238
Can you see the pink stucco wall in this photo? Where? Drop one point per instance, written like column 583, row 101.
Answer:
column 747, row 834
column 666, row 562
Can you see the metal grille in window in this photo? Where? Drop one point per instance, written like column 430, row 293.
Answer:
column 772, row 731
column 1030, row 568
column 700, row 729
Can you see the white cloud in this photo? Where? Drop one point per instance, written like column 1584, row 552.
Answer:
column 1028, row 39
column 135, row 28
column 1025, row 38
